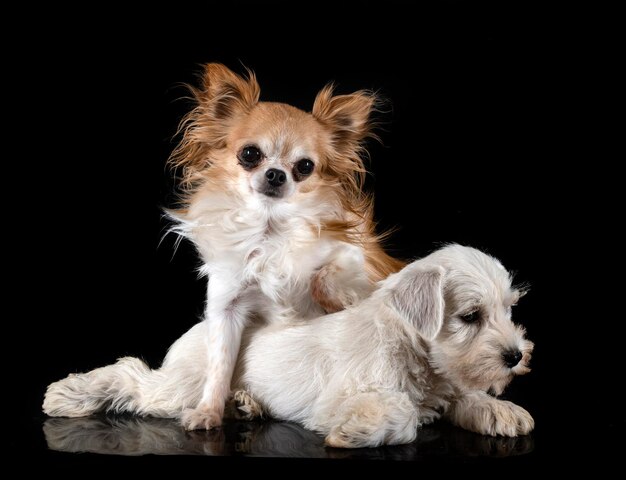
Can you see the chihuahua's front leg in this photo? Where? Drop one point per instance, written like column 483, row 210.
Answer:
column 342, row 281
column 225, row 319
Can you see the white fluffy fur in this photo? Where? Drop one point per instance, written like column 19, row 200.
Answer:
column 261, row 256
column 271, row 198
column 366, row 376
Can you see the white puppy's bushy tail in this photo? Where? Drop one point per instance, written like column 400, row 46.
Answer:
column 131, row 386
column 126, row 386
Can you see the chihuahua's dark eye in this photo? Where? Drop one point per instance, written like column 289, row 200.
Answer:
column 303, row 168
column 471, row 317
column 250, row 156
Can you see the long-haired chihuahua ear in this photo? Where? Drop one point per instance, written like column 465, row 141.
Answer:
column 347, row 115
column 347, row 118
column 225, row 93
column 221, row 99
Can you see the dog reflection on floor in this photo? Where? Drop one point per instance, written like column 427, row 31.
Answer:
column 135, row 436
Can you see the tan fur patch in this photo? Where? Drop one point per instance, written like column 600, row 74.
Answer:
column 228, row 114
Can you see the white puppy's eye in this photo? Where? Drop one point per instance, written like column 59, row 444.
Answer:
column 250, row 156
column 302, row 169
column 471, row 317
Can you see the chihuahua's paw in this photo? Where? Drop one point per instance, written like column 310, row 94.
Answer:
column 335, row 288
column 247, row 407
column 322, row 289
column 201, row 418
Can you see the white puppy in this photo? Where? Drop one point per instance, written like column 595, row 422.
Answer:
column 430, row 342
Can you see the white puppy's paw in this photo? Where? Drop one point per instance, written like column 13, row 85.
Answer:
column 501, row 417
column 340, row 439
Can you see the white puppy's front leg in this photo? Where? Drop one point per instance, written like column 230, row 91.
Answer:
column 481, row 413
column 342, row 281
column 225, row 320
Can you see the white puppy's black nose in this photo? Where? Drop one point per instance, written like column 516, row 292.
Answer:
column 511, row 358
column 275, row 177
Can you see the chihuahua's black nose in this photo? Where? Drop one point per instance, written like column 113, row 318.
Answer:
column 511, row 358
column 275, row 177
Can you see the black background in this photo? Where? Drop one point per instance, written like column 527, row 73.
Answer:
column 496, row 135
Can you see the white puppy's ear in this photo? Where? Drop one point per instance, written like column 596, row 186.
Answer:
column 418, row 298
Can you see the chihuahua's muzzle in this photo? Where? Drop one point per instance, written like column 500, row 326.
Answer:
column 275, row 179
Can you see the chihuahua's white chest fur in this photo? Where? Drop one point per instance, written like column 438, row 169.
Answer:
column 271, row 250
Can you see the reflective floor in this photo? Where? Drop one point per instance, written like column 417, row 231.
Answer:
column 132, row 436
